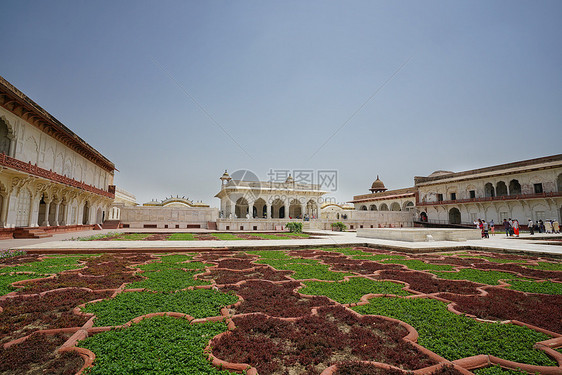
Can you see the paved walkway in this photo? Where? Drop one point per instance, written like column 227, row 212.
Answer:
column 64, row 243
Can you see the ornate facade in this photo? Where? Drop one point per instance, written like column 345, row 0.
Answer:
column 49, row 176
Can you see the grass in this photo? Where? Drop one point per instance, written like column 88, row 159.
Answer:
column 415, row 264
column 226, row 236
column 351, row 291
column 455, row 336
column 478, row 276
column 160, row 345
column 199, row 303
column 181, row 237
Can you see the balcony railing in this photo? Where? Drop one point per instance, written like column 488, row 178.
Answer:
column 19, row 165
column 492, row 199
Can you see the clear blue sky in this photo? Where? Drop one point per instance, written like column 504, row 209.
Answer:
column 482, row 85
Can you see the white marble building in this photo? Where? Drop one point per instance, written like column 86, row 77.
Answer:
column 49, row 176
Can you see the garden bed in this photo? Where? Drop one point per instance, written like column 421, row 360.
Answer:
column 312, row 311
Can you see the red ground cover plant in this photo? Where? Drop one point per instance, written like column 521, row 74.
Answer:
column 426, row 283
column 20, row 259
column 528, row 272
column 73, row 279
column 21, row 316
column 216, row 255
column 447, row 260
column 232, row 277
column 363, row 267
column 235, row 263
column 274, row 299
column 355, row 368
column 541, row 310
column 38, row 355
column 313, row 343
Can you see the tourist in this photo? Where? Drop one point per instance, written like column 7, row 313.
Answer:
column 541, row 226
column 492, row 226
column 510, row 227
column 485, row 229
column 556, row 227
column 530, row 225
column 516, row 228
column 507, row 227
column 548, row 226
column 477, row 223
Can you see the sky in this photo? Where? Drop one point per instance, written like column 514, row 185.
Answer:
column 175, row 92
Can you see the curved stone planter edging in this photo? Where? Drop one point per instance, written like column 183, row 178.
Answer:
column 423, row 371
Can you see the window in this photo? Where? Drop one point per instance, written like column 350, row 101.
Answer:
column 453, row 196
column 439, row 197
column 538, row 188
column 472, row 194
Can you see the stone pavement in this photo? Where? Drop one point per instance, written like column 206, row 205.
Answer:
column 60, row 243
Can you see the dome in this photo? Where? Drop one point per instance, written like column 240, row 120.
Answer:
column 377, row 186
column 225, row 176
column 289, row 180
column 440, row 173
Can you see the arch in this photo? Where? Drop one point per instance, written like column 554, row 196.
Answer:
column 383, row 207
column 423, row 216
column 6, row 136
column 59, row 163
column 373, row 207
column 277, row 209
column 49, row 159
column 363, row 208
column 23, row 207
column 489, row 190
column 408, row 205
column 52, row 220
column 295, row 209
column 454, row 216
column 62, row 212
column 85, row 214
column 514, row 187
column 312, row 209
column 260, row 208
column 395, row 206
column 30, row 149
column 559, row 182
column 241, row 208
column 501, row 189
column 67, row 171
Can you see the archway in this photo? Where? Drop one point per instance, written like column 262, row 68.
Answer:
column 277, row 209
column 86, row 214
column 489, row 190
column 423, row 216
column 559, row 182
column 363, row 208
column 408, row 205
column 4, row 138
column 383, row 207
column 53, row 213
column 42, row 220
column 395, row 206
column 514, row 187
column 62, row 213
column 241, row 208
column 295, row 209
column 373, row 207
column 501, row 189
column 23, row 206
column 260, row 208
column 312, row 209
column 454, row 216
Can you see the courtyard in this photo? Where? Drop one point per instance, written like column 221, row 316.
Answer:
column 328, row 310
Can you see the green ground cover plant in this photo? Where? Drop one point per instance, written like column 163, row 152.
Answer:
column 181, row 237
column 546, row 266
column 132, row 237
column 497, row 370
column 46, row 266
column 455, row 336
column 11, row 253
column 544, row 287
column 478, row 276
column 494, row 260
column 418, row 265
column 7, row 279
column 345, row 251
column 168, row 280
column 95, row 237
column 303, row 268
column 379, row 257
column 160, row 345
column 226, row 236
column 351, row 291
column 199, row 303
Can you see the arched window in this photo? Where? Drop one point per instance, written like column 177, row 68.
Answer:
column 373, row 207
column 395, row 206
column 501, row 189
column 383, row 207
column 514, row 187
column 4, row 138
column 454, row 216
column 489, row 190
column 363, row 208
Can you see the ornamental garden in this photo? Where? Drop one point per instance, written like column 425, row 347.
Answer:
column 328, row 311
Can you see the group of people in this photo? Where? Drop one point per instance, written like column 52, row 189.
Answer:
column 485, row 227
column 511, row 227
column 548, row 226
